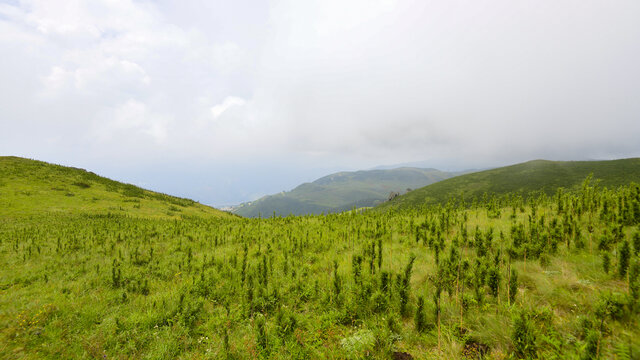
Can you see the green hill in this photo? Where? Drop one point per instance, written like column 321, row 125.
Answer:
column 342, row 191
column 542, row 282
column 30, row 187
column 536, row 175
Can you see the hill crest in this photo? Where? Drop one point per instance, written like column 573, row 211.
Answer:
column 29, row 187
column 523, row 178
column 342, row 191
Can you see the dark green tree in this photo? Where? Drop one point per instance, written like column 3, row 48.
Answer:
column 625, row 256
column 494, row 281
column 261, row 333
column 636, row 242
column 513, row 285
column 420, row 320
column 606, row 262
column 405, row 288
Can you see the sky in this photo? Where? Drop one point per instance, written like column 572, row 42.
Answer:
column 226, row 101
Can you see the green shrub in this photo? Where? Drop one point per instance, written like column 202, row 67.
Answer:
column 405, row 288
column 513, row 285
column 359, row 343
column 262, row 341
column 625, row 256
column 379, row 302
column 82, row 185
column 544, row 260
column 523, row 336
column 634, row 282
column 286, row 323
column 132, row 191
column 606, row 262
column 591, row 345
column 420, row 319
column 493, row 281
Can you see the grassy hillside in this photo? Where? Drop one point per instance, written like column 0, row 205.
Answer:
column 547, row 279
column 30, row 187
column 536, row 175
column 342, row 191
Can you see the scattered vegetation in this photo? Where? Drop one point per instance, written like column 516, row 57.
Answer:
column 508, row 278
column 530, row 178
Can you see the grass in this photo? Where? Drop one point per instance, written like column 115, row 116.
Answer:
column 29, row 187
column 81, row 282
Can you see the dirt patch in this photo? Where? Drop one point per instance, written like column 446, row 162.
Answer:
column 398, row 355
column 474, row 350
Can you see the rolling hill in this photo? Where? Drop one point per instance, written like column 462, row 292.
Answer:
column 100, row 269
column 536, row 175
column 30, row 187
column 342, row 191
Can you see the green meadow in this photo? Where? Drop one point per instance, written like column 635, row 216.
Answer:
column 93, row 268
column 29, row 187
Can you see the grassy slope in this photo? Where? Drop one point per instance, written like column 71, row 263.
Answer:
column 523, row 178
column 148, row 287
column 58, row 298
column 30, row 187
column 342, row 191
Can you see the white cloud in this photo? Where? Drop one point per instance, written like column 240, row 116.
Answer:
column 130, row 122
column 229, row 101
column 57, row 79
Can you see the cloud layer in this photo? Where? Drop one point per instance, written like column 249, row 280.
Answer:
column 246, row 86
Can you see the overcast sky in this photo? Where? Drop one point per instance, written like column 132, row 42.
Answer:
column 224, row 101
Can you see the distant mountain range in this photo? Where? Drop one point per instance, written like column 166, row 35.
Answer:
column 31, row 187
column 342, row 191
column 537, row 175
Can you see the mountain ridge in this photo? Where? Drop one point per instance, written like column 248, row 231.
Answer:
column 341, row 191
column 523, row 178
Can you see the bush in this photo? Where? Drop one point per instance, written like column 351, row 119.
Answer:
column 523, row 336
column 636, row 243
column 82, row 185
column 610, row 305
column 494, row 281
column 513, row 285
column 420, row 319
column 591, row 347
column 625, row 255
column 585, row 325
column 286, row 323
column 606, row 262
column 405, row 288
column 261, row 333
column 379, row 302
column 544, row 261
column 189, row 311
column 634, row 282
column 468, row 301
column 360, row 342
column 129, row 190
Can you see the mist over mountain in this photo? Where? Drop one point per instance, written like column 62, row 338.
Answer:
column 342, row 191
